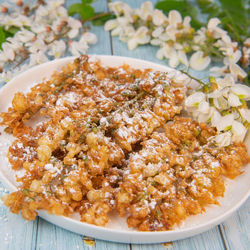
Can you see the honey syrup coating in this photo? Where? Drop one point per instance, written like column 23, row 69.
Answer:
column 101, row 148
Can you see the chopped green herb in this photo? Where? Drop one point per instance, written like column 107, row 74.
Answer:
column 95, row 130
column 81, row 139
column 85, row 158
column 132, row 76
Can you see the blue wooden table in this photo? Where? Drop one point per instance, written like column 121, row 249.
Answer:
column 18, row 234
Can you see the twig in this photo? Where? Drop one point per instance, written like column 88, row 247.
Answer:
column 96, row 17
column 56, row 37
column 194, row 78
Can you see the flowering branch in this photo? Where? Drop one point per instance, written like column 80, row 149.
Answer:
column 177, row 40
column 33, row 34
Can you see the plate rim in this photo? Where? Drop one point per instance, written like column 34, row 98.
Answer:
column 189, row 231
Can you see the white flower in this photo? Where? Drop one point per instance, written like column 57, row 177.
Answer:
column 204, row 107
column 158, row 17
column 225, row 82
column 200, row 37
column 182, row 57
column 173, row 59
column 117, row 31
column 89, row 37
column 60, row 12
column 6, row 76
column 198, row 61
column 37, row 45
column 74, row 25
column 38, row 28
column 220, row 103
column 237, row 71
column 239, row 131
column 158, row 31
column 146, row 10
column 225, row 122
column 215, row 118
column 24, row 20
column 169, row 51
column 140, row 37
column 218, row 71
column 186, row 22
column 111, row 24
column 120, row 8
column 232, row 56
column 170, row 33
column 174, row 18
column 8, row 51
column 42, row 11
column 156, row 42
column 234, row 100
column 223, row 139
column 57, row 48
column 242, row 91
column 245, row 114
column 55, row 4
column 213, row 27
column 160, row 53
column 78, row 48
column 37, row 58
column 24, row 35
column 195, row 99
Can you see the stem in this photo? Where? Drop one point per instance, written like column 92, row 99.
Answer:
column 96, row 17
column 56, row 37
column 192, row 77
column 127, row 103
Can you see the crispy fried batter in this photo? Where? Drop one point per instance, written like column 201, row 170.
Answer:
column 101, row 149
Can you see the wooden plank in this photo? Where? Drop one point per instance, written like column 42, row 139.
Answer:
column 106, row 245
column 14, row 229
column 235, row 230
column 50, row 236
column 198, row 242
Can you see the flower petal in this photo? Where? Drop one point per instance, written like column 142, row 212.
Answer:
column 234, row 100
column 242, row 91
column 239, row 131
column 198, row 61
column 183, row 57
column 110, row 24
column 158, row 17
column 174, row 17
column 237, row 71
column 203, row 107
column 223, row 139
column 225, row 122
column 132, row 44
column 245, row 114
column 195, row 99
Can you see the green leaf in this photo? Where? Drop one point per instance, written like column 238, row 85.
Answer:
column 234, row 16
column 87, row 11
column 2, row 36
column 102, row 20
column 209, row 7
column 74, row 9
column 88, row 1
column 183, row 6
column 13, row 30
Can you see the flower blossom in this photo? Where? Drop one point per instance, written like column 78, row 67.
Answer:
column 42, row 35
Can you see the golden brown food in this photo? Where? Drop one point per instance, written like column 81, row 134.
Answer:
column 113, row 139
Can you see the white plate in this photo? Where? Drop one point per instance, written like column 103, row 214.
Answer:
column 237, row 191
